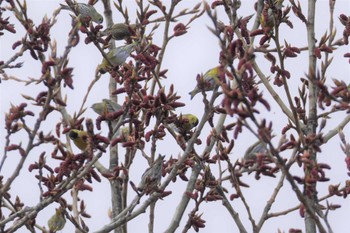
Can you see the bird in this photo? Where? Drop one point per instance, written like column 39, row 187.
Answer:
column 257, row 148
column 57, row 221
column 267, row 20
column 116, row 56
column 209, row 81
column 184, row 123
column 123, row 133
column 151, row 177
column 119, row 31
column 80, row 138
column 85, row 11
column 106, row 106
column 250, row 158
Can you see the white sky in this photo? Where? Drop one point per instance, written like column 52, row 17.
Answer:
column 190, row 54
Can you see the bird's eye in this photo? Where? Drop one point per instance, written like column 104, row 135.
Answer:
column 100, row 20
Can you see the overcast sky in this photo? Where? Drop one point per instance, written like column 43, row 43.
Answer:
column 191, row 54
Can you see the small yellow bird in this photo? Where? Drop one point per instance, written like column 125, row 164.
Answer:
column 85, row 11
column 57, row 221
column 119, row 31
column 106, row 106
column 209, row 81
column 116, row 56
column 80, row 138
column 186, row 122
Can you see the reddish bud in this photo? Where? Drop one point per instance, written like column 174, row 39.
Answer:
column 12, row 147
column 87, row 40
column 83, row 187
column 289, row 53
column 234, row 196
column 216, row 3
column 10, row 28
column 83, row 29
column 257, row 32
column 317, row 53
column 95, row 176
column 102, row 139
column 149, row 13
column 32, row 167
column 128, row 144
column 16, row 44
column 292, row 230
column 177, row 104
column 33, row 54
column 343, row 19
column 326, row 49
column 165, row 193
column 347, row 161
column 162, row 73
column 302, row 211
column 119, row 91
column 183, row 177
column 148, row 135
column 298, row 179
column 263, row 39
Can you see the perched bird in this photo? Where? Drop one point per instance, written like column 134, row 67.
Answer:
column 119, row 31
column 152, row 176
column 257, row 148
column 253, row 156
column 184, row 123
column 85, row 11
column 106, row 106
column 267, row 20
column 57, row 221
column 80, row 138
column 209, row 81
column 116, row 56
column 123, row 133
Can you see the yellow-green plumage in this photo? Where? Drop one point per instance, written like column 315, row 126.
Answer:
column 57, row 221
column 86, row 10
column 210, row 80
column 106, row 106
column 80, row 138
column 187, row 121
column 184, row 123
column 116, row 56
column 119, row 31
column 123, row 133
